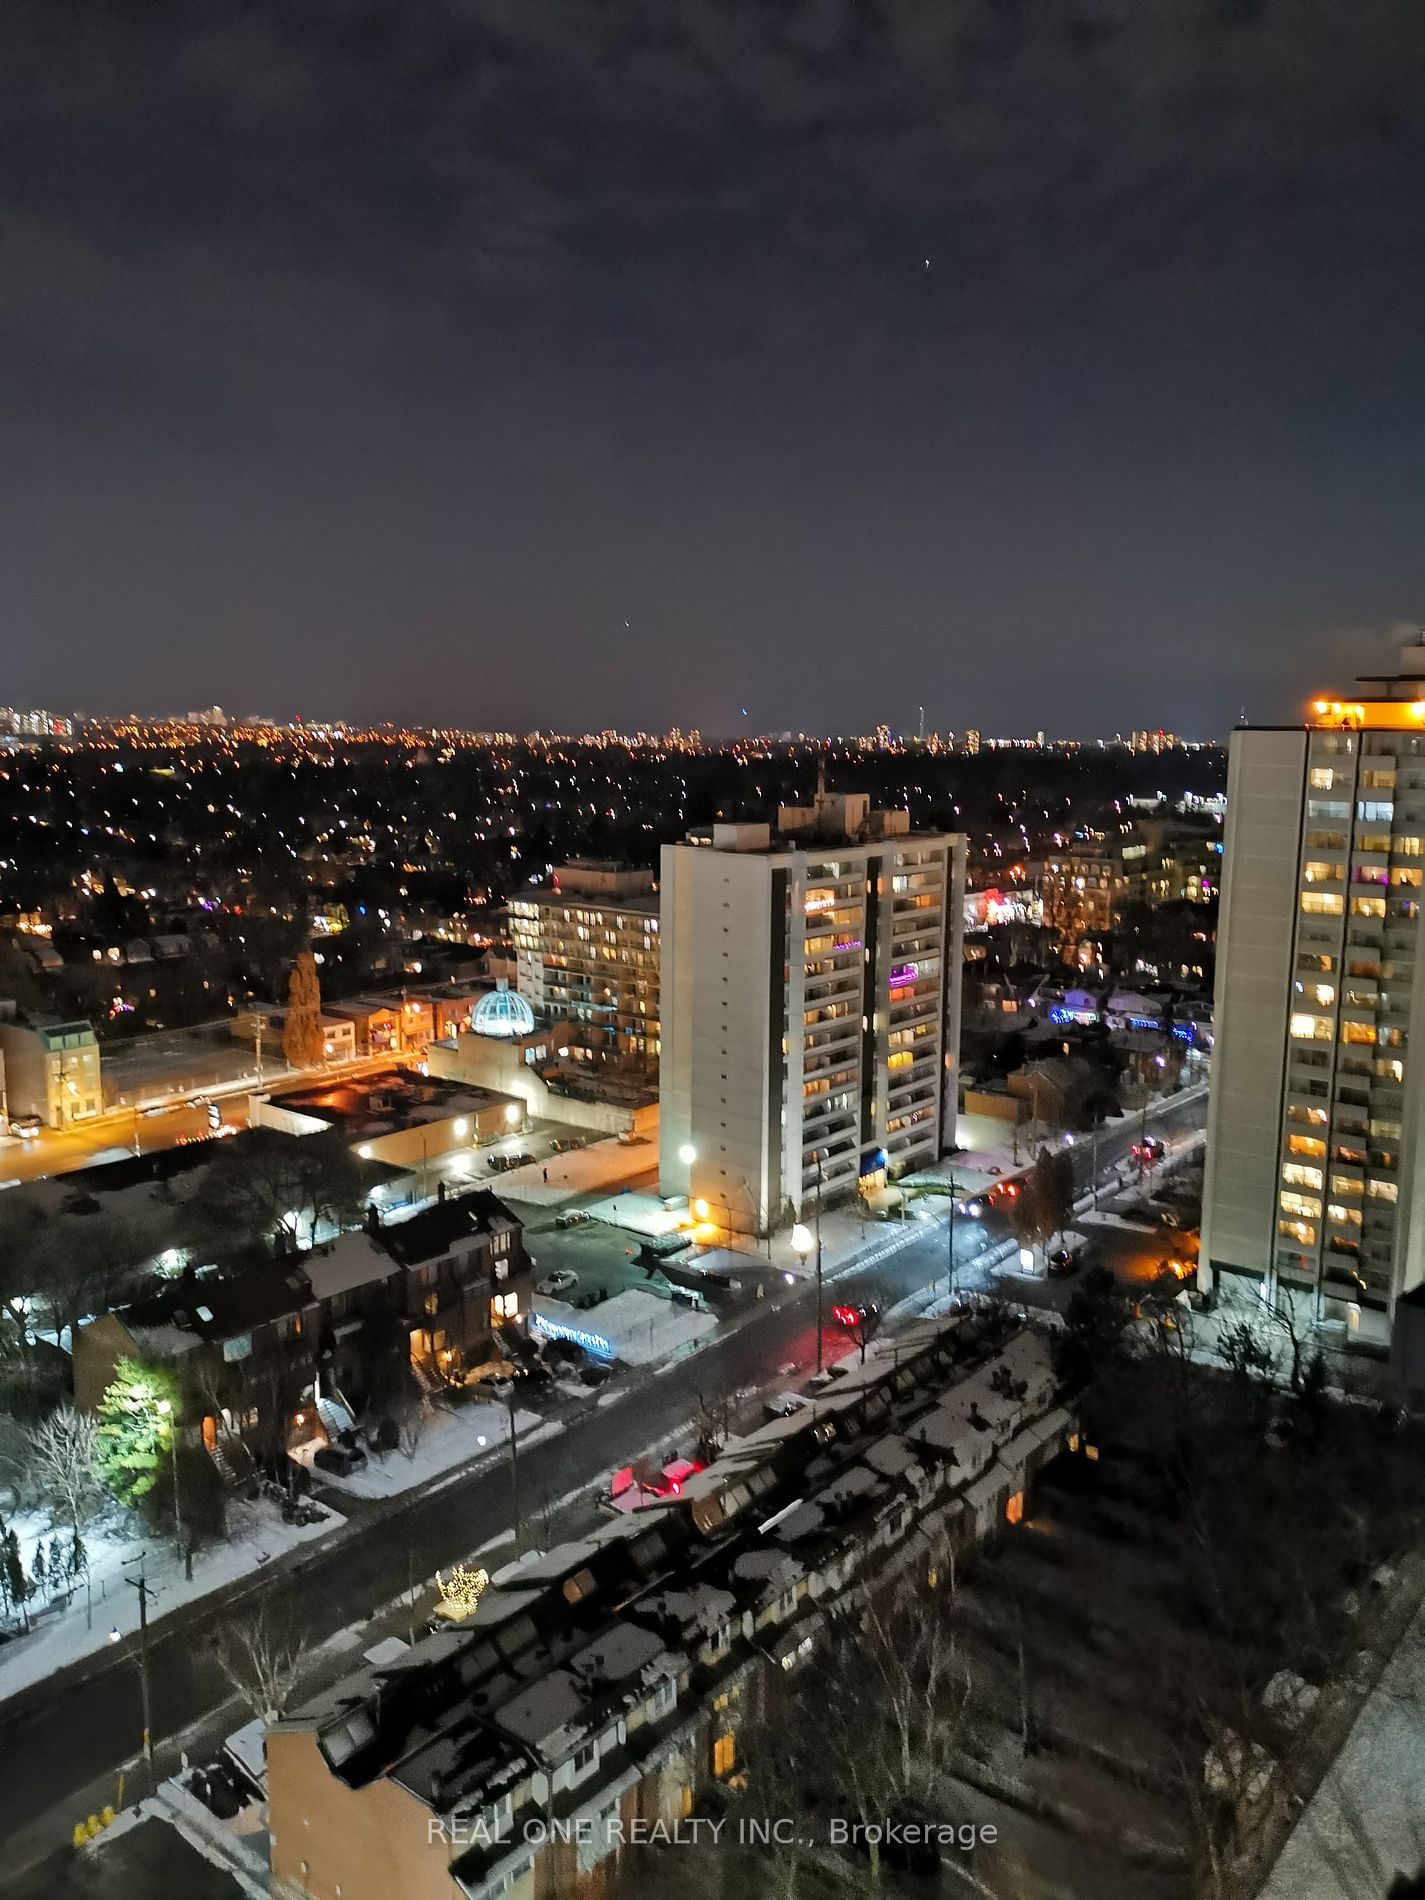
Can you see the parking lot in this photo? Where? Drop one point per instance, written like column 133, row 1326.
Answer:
column 603, row 1257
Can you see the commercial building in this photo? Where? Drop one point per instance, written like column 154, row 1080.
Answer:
column 50, row 1070
column 611, row 1680
column 1315, row 1183
column 587, row 951
column 395, row 1116
column 810, row 1006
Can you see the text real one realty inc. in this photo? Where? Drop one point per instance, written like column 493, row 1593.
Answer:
column 693, row 1831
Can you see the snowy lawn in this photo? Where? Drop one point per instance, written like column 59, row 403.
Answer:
column 635, row 1326
column 256, row 1535
column 448, row 1439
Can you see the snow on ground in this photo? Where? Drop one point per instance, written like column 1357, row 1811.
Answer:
column 635, row 1326
column 557, row 1178
column 640, row 1213
column 256, row 1535
column 449, row 1439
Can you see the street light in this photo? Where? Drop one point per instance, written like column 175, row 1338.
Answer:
column 165, row 1410
column 804, row 1244
column 512, row 1115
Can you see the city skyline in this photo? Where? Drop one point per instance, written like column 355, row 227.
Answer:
column 560, row 369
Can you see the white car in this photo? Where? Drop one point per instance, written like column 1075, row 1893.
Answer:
column 559, row 1283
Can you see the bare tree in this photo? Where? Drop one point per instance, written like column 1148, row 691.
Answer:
column 261, row 1663
column 61, row 1463
column 412, row 1424
column 888, row 1744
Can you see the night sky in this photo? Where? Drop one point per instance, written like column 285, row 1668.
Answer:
column 630, row 362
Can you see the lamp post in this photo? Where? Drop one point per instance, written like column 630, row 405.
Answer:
column 165, row 1410
column 950, row 1242
column 805, row 1243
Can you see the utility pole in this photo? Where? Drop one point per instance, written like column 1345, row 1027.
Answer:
column 140, row 1583
column 515, row 1471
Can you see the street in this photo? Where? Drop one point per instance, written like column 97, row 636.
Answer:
column 65, row 1741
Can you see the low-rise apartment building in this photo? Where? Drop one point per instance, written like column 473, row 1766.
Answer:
column 50, row 1070
column 605, row 1681
column 260, row 1351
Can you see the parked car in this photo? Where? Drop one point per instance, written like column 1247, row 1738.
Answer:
column 556, row 1284
column 341, row 1460
column 1149, row 1151
column 534, row 1372
column 25, row 1125
column 572, row 1217
column 784, row 1404
column 1066, row 1260
column 595, row 1373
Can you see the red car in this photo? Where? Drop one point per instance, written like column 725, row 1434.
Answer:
column 849, row 1316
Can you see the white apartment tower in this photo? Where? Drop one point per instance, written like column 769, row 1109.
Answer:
column 1315, row 1178
column 810, row 1006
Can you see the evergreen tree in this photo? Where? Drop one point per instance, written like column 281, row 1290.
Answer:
column 134, row 1434
column 302, row 1032
column 37, row 1569
column 77, row 1563
column 17, row 1584
column 55, row 1566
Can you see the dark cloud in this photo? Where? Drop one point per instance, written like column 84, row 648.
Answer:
column 353, row 349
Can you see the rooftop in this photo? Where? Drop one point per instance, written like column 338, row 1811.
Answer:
column 385, row 1103
column 566, row 1637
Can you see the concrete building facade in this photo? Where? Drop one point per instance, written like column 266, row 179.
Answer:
column 586, row 947
column 1315, row 1184
column 51, row 1070
column 810, row 1007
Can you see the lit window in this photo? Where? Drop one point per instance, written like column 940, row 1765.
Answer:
column 1305, row 1145
column 504, row 1306
column 1300, row 1204
column 1307, row 1028
column 1297, row 1176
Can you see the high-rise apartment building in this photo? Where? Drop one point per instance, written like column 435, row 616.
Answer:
column 810, row 1006
column 587, row 953
column 1315, row 1177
